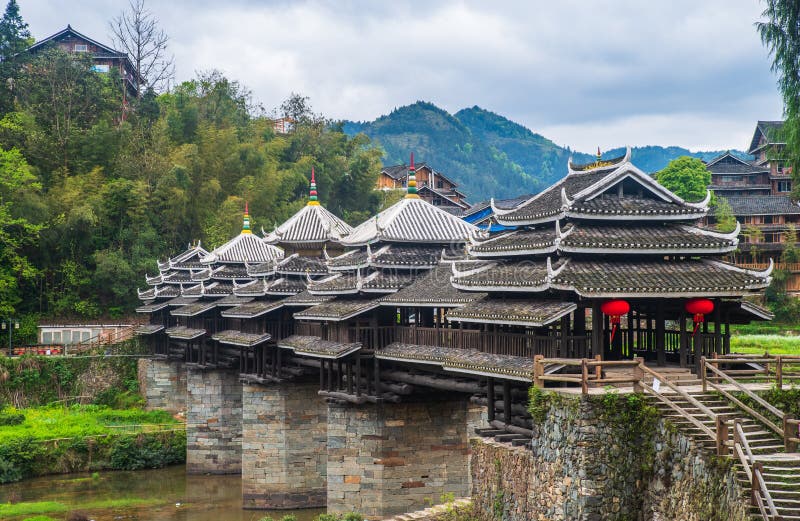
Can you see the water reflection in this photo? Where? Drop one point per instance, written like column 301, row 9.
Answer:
column 181, row 497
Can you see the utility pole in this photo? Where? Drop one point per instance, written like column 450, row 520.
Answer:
column 10, row 323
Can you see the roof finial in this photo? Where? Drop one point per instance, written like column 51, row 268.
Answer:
column 411, row 190
column 312, row 194
column 246, row 221
column 598, row 153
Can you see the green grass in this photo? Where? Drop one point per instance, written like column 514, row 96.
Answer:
column 760, row 344
column 54, row 507
column 51, row 422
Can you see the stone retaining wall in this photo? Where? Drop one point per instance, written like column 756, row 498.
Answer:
column 213, row 422
column 163, row 384
column 583, row 467
column 284, row 442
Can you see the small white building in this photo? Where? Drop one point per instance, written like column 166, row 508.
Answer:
column 75, row 333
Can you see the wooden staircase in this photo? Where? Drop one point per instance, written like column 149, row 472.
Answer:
column 711, row 420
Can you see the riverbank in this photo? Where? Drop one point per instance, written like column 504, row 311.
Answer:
column 59, row 439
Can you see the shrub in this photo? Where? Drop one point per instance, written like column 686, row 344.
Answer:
column 11, row 417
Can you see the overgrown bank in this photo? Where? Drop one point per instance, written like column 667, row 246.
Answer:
column 61, row 415
column 602, row 457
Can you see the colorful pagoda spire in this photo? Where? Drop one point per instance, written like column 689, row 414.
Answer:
column 598, row 153
column 246, row 223
column 411, row 190
column 312, row 193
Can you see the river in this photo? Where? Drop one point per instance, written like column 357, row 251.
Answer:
column 168, row 495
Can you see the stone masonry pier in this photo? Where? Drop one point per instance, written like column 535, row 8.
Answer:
column 213, row 422
column 284, row 437
column 388, row 459
column 163, row 384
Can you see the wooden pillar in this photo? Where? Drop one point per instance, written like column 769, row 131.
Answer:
column 579, row 330
column 564, row 344
column 684, row 340
column 490, row 398
column 629, row 334
column 718, row 328
column 607, row 353
column 597, row 329
column 727, row 338
column 661, row 354
column 507, row 402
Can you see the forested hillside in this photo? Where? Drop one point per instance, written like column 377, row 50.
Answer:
column 488, row 154
column 93, row 191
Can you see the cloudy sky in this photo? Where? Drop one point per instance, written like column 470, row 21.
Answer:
column 583, row 73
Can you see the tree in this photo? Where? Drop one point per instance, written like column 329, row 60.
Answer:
column 14, row 39
column 687, row 177
column 136, row 32
column 723, row 214
column 781, row 34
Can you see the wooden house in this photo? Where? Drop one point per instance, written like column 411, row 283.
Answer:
column 433, row 186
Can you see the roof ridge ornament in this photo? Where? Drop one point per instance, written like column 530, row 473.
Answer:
column 499, row 211
column 312, row 193
column 764, row 273
column 553, row 273
column 627, row 158
column 566, row 202
column 246, row 220
column 411, row 185
column 720, row 235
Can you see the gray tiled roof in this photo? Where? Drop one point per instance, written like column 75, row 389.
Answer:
column 252, row 309
column 299, row 265
column 318, row 348
column 233, row 300
column 525, row 312
column 187, row 259
column 386, row 281
column 152, row 308
column 521, row 275
column 431, row 289
column 411, row 220
column 763, row 205
column 407, row 255
column 148, row 329
column 230, row 271
column 184, row 333
column 311, row 224
column 304, row 298
column 348, row 260
column 244, row 248
column 262, row 269
column 630, row 238
column 461, row 360
column 657, row 277
column 632, row 206
column 237, row 338
column 286, row 286
column 191, row 310
column 541, row 240
column 338, row 309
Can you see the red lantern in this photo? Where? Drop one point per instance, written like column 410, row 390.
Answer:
column 699, row 307
column 615, row 309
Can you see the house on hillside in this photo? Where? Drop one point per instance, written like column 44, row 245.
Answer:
column 432, row 186
column 759, row 192
column 106, row 59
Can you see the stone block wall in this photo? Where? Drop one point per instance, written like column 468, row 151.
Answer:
column 580, row 467
column 213, row 422
column 163, row 384
column 284, row 446
column 392, row 458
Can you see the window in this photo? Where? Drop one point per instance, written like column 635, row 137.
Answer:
column 784, row 186
column 100, row 68
column 84, row 336
column 56, row 337
column 47, row 337
column 779, row 168
column 767, row 219
column 729, row 178
column 439, row 185
column 80, row 47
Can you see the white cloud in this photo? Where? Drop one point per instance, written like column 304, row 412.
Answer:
column 622, row 71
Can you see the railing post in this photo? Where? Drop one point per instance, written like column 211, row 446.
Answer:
column 538, row 371
column 638, row 375
column 789, row 433
column 778, row 372
column 754, row 488
column 598, row 370
column 722, row 435
column 703, row 373
column 584, row 376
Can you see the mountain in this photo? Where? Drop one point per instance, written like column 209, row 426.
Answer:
column 487, row 154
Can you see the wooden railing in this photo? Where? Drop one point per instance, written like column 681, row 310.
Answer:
column 116, row 337
column 790, row 266
column 782, row 424
column 775, row 369
column 759, row 493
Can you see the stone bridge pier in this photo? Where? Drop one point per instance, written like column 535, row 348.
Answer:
column 284, row 438
column 213, row 422
column 389, row 458
column 163, row 384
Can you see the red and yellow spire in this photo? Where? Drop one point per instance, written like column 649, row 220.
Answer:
column 246, row 221
column 312, row 193
column 411, row 190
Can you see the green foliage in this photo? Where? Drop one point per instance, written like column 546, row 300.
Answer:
column 635, row 422
column 785, row 306
column 759, row 344
column 723, row 214
column 780, row 33
column 11, row 417
column 687, row 177
column 89, row 200
column 136, row 452
column 348, row 516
